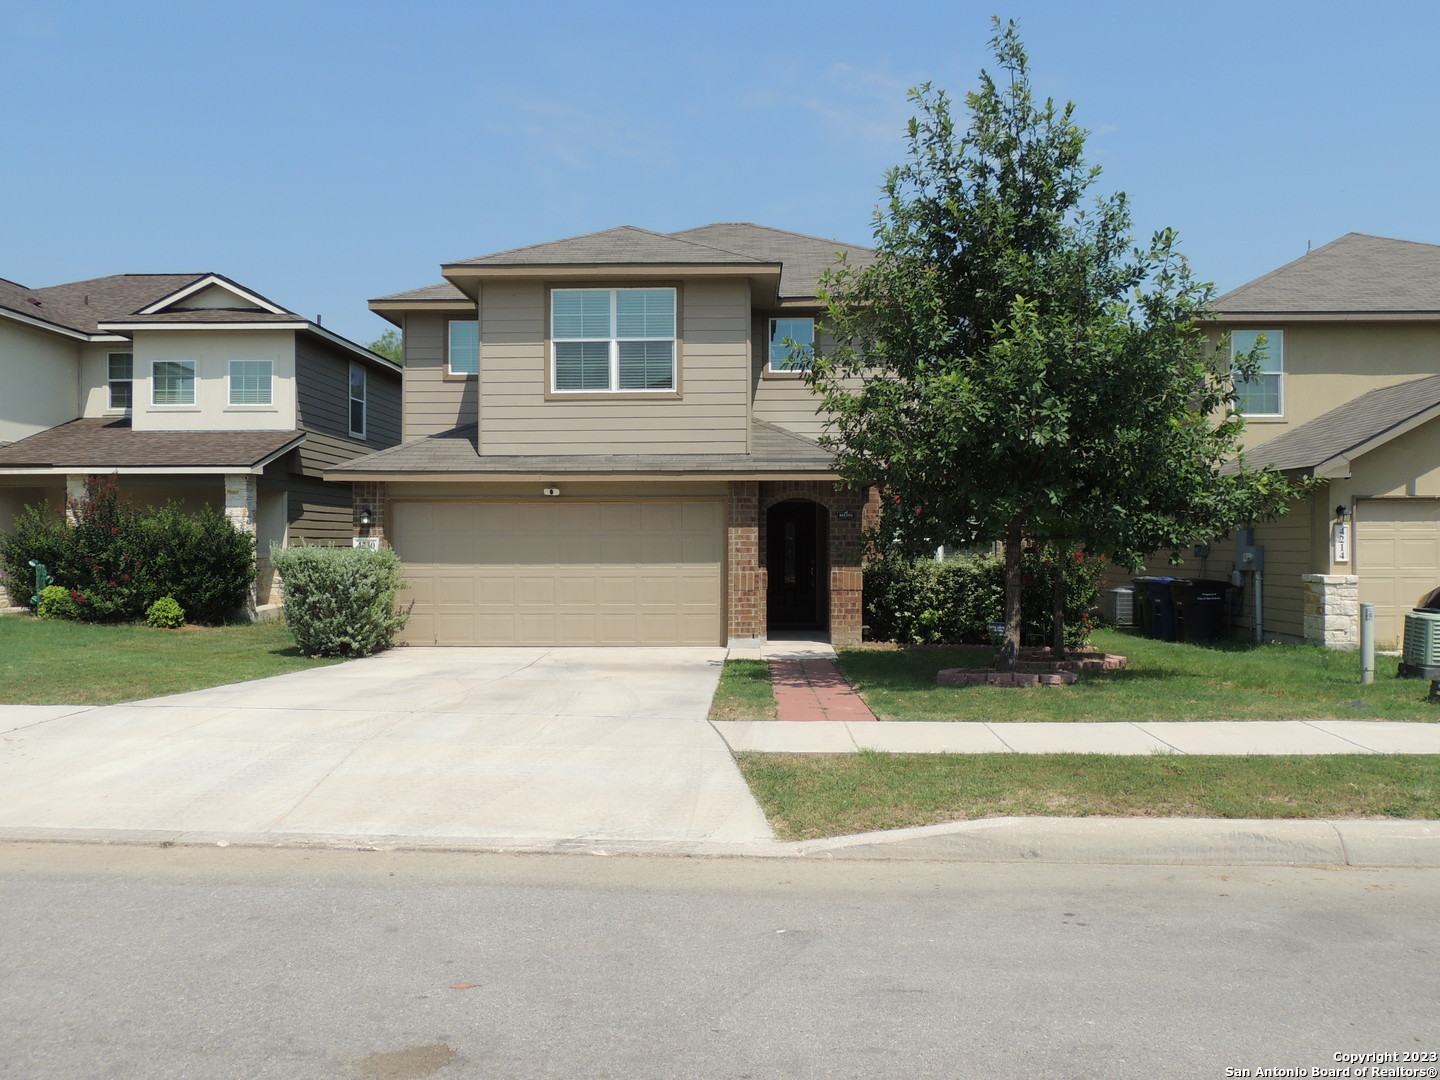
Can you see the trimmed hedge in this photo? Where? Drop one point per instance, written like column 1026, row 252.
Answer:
column 340, row 601
column 924, row 602
column 116, row 560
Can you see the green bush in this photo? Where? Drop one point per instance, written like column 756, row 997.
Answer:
column 924, row 602
column 340, row 601
column 166, row 613
column 118, row 560
column 56, row 602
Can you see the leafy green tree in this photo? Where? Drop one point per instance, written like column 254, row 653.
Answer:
column 389, row 345
column 1012, row 366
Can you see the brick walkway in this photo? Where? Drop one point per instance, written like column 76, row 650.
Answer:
column 815, row 690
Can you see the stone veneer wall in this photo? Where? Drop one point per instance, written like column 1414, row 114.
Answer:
column 1332, row 610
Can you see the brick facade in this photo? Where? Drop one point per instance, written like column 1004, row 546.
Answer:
column 372, row 495
column 745, row 588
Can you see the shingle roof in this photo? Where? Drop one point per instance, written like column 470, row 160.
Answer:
column 97, row 444
column 803, row 258
column 1354, row 274
column 625, row 246
column 443, row 291
column 773, row 449
column 207, row 315
column 80, row 305
column 1327, row 442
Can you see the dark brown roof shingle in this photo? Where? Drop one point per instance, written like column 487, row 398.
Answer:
column 98, row 445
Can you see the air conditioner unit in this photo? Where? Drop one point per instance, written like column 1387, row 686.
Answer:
column 1119, row 607
column 1421, row 654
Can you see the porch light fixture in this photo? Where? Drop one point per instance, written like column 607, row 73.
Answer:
column 365, row 516
column 1341, row 513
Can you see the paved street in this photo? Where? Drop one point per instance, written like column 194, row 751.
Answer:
column 184, row 963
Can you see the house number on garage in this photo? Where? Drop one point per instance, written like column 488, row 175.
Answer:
column 1340, row 541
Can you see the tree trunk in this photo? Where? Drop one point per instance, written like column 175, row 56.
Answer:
column 1057, row 603
column 1010, row 649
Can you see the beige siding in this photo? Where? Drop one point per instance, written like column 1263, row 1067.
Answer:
column 322, row 375
column 433, row 403
column 40, row 376
column 1328, row 364
column 785, row 400
column 710, row 415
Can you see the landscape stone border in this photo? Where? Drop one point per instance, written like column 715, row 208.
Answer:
column 1034, row 668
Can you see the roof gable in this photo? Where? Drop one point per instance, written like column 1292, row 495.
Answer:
column 212, row 292
column 1356, row 274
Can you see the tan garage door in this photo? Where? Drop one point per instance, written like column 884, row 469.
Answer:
column 562, row 573
column 1397, row 555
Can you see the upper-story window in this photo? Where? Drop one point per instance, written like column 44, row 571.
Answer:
column 612, row 339
column 122, row 380
column 796, row 357
column 357, row 400
column 172, row 382
column 464, row 347
column 250, row 382
column 1261, row 395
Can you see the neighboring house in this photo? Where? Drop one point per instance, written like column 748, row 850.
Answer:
column 1349, row 392
column 192, row 388
column 607, row 441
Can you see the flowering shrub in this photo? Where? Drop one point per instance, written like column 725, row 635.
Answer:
column 166, row 614
column 57, row 602
column 116, row 560
column 340, row 601
column 920, row 601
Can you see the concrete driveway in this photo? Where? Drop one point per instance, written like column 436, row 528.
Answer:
column 525, row 748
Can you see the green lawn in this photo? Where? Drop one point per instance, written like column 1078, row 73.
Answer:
column 48, row 662
column 1164, row 681
column 744, row 692
column 812, row 796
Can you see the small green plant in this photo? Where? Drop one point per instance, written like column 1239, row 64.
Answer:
column 340, row 601
column 166, row 613
column 57, row 602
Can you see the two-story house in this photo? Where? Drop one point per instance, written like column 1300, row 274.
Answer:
column 1349, row 392
column 608, row 440
column 191, row 388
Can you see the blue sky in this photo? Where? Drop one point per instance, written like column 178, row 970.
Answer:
column 327, row 152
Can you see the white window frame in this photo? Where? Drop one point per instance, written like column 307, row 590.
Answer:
column 1274, row 348
column 155, row 384
column 269, row 386
column 780, row 364
column 450, row 367
column 111, row 382
column 613, row 341
column 362, row 400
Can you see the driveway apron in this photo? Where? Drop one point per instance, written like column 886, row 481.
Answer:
column 523, row 747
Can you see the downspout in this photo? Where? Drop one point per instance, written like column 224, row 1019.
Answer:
column 1259, row 607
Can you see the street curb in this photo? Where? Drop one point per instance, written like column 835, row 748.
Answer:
column 1113, row 841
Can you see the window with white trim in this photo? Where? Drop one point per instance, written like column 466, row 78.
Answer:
column 357, row 400
column 784, row 357
column 172, row 382
column 612, row 340
column 464, row 347
column 1262, row 394
column 250, row 382
column 121, row 377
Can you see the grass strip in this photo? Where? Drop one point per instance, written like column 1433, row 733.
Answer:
column 744, row 693
column 49, row 662
column 1227, row 680
column 810, row 796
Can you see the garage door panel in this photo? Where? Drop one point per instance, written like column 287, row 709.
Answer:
column 1397, row 558
column 607, row 572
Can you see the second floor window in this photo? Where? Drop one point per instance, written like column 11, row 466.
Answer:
column 784, row 357
column 122, row 380
column 250, row 382
column 612, row 339
column 464, row 347
column 357, row 401
column 173, row 382
column 1261, row 395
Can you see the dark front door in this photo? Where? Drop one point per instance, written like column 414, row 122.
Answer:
column 796, row 565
